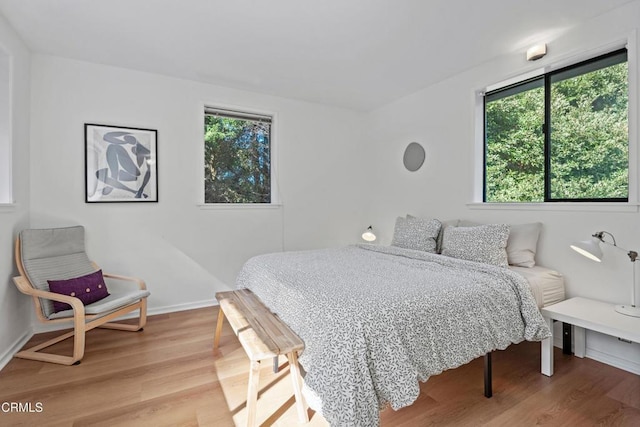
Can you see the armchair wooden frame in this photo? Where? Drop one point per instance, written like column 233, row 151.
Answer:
column 82, row 323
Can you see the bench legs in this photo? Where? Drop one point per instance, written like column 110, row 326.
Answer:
column 254, row 379
column 296, row 378
column 216, row 339
column 252, row 392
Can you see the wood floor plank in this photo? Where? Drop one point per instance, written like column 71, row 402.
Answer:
column 627, row 391
column 168, row 376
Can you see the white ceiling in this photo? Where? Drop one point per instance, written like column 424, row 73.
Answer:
column 357, row 54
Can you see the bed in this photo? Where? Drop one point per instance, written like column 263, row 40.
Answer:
column 369, row 341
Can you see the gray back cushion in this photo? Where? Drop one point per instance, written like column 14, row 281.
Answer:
column 53, row 254
column 416, row 233
column 484, row 243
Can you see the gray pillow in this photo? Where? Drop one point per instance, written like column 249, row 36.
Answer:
column 484, row 243
column 522, row 244
column 445, row 224
column 416, row 233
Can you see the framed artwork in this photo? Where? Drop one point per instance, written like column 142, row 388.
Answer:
column 121, row 164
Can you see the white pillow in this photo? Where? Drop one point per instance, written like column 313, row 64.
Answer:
column 465, row 223
column 522, row 244
column 484, row 243
column 416, row 233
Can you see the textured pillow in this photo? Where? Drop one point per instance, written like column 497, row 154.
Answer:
column 485, row 243
column 88, row 289
column 445, row 224
column 522, row 244
column 416, row 233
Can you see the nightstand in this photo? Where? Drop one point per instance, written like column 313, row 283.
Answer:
column 584, row 314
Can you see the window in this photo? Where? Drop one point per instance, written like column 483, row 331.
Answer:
column 237, row 153
column 5, row 129
column 560, row 137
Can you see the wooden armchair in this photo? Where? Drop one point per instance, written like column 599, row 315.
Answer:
column 59, row 254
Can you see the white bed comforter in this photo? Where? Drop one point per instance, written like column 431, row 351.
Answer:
column 376, row 320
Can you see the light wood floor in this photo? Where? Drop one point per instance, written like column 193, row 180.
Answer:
column 167, row 376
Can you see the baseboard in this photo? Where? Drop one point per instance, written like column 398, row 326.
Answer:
column 617, row 362
column 40, row 328
column 557, row 341
column 181, row 307
column 17, row 345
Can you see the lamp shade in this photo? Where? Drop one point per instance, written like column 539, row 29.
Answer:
column 368, row 235
column 589, row 248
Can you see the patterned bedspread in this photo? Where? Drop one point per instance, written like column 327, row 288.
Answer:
column 377, row 320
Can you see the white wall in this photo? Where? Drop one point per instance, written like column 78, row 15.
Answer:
column 184, row 252
column 442, row 118
column 14, row 307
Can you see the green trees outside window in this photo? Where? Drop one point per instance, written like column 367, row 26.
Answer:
column 237, row 155
column 560, row 137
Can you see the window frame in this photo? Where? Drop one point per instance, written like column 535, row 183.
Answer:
column 7, row 201
column 275, row 195
column 577, row 54
column 546, row 76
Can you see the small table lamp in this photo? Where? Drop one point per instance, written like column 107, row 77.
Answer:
column 368, row 235
column 591, row 249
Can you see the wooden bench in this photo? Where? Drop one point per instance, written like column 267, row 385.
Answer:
column 263, row 336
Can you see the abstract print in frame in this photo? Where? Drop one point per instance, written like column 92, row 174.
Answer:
column 120, row 164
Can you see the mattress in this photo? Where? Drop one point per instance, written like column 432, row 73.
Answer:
column 547, row 286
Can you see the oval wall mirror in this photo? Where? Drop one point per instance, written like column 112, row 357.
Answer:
column 414, row 156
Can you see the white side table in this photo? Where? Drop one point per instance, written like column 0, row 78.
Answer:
column 583, row 314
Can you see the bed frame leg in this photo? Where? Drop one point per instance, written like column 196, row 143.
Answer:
column 566, row 338
column 488, row 389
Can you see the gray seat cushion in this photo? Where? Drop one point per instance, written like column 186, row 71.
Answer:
column 114, row 301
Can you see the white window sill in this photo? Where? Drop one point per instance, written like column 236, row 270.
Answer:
column 560, row 206
column 231, row 206
column 7, row 207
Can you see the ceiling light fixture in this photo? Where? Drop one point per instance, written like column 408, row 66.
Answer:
column 536, row 52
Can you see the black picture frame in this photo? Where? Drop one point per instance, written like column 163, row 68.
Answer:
column 121, row 164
